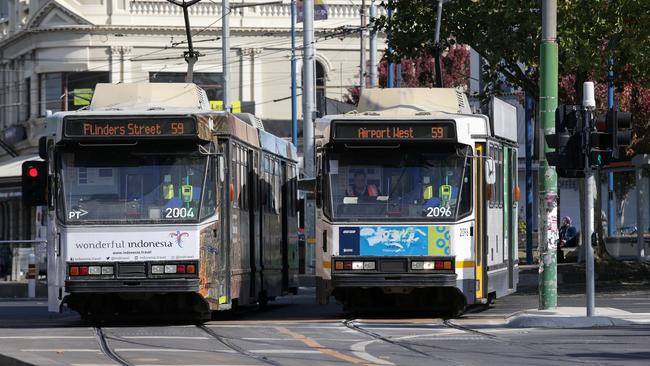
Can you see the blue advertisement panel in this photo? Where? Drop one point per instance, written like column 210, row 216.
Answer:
column 394, row 240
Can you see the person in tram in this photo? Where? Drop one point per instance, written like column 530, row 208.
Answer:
column 360, row 187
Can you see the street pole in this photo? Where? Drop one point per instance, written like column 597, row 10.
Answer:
column 548, row 231
column 308, row 99
column 362, row 56
column 391, row 72
column 611, row 212
column 225, row 52
column 589, row 105
column 529, row 179
column 373, row 45
column 294, row 98
column 437, row 47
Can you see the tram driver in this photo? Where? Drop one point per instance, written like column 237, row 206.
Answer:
column 360, row 187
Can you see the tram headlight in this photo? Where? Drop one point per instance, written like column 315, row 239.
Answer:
column 94, row 270
column 369, row 265
column 422, row 265
column 157, row 269
column 170, row 268
column 107, row 270
column 357, row 265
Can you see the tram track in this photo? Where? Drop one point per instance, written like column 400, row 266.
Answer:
column 350, row 323
column 106, row 348
column 226, row 342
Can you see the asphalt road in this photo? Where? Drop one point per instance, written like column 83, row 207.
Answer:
column 295, row 331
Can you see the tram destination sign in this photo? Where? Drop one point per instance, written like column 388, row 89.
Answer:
column 136, row 127
column 394, row 131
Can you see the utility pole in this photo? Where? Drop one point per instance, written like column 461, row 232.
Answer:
column 390, row 79
column 529, row 179
column 373, row 45
column 437, row 46
column 611, row 211
column 225, row 52
column 308, row 101
column 589, row 105
column 548, row 230
column 362, row 38
column 294, row 98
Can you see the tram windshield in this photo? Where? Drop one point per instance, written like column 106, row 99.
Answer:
column 135, row 187
column 400, row 184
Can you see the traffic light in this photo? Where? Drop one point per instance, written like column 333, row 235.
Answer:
column 600, row 144
column 34, row 183
column 619, row 125
column 567, row 141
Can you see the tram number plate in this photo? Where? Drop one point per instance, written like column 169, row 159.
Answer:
column 438, row 211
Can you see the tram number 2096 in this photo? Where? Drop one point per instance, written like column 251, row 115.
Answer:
column 176, row 212
column 438, row 211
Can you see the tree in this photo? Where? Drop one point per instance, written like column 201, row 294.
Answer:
column 507, row 34
column 420, row 71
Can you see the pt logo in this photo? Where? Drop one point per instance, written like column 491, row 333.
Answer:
column 76, row 214
column 179, row 237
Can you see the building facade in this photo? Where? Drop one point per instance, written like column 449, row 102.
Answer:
column 54, row 52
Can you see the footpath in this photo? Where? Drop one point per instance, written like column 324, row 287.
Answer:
column 610, row 277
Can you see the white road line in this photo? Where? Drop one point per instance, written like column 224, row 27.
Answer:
column 173, row 350
column 47, row 337
column 295, row 340
column 60, row 350
column 359, row 350
column 280, row 351
column 159, row 337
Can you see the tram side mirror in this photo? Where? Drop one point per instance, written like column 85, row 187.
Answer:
column 307, row 184
column 42, row 147
column 490, row 172
column 222, row 169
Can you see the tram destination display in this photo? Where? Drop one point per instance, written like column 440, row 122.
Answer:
column 398, row 130
column 129, row 127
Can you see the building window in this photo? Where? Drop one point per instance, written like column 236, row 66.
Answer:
column 51, row 87
column 68, row 91
column 26, row 101
column 211, row 82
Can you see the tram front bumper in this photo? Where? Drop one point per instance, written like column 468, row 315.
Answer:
column 394, row 280
column 133, row 285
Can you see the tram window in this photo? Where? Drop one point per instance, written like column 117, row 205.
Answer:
column 410, row 184
column 209, row 204
column 130, row 186
column 234, row 172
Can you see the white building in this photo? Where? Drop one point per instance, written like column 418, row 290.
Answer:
column 53, row 52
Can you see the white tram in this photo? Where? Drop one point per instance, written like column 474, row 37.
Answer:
column 157, row 202
column 416, row 201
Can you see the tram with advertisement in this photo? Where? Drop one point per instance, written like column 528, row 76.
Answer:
column 156, row 202
column 416, row 202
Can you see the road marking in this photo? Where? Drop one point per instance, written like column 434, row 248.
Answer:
column 294, row 340
column 280, row 351
column 60, row 350
column 160, row 337
column 313, row 344
column 47, row 337
column 359, row 350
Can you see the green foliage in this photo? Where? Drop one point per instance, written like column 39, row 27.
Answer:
column 507, row 34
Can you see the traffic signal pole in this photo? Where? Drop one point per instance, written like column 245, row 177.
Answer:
column 548, row 232
column 589, row 105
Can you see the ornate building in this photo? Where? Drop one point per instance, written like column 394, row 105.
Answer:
column 53, row 52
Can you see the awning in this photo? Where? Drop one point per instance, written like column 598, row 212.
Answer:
column 13, row 167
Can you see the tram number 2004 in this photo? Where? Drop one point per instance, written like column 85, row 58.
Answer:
column 438, row 211
column 182, row 212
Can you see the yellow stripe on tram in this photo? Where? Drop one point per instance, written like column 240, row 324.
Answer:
column 465, row 264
